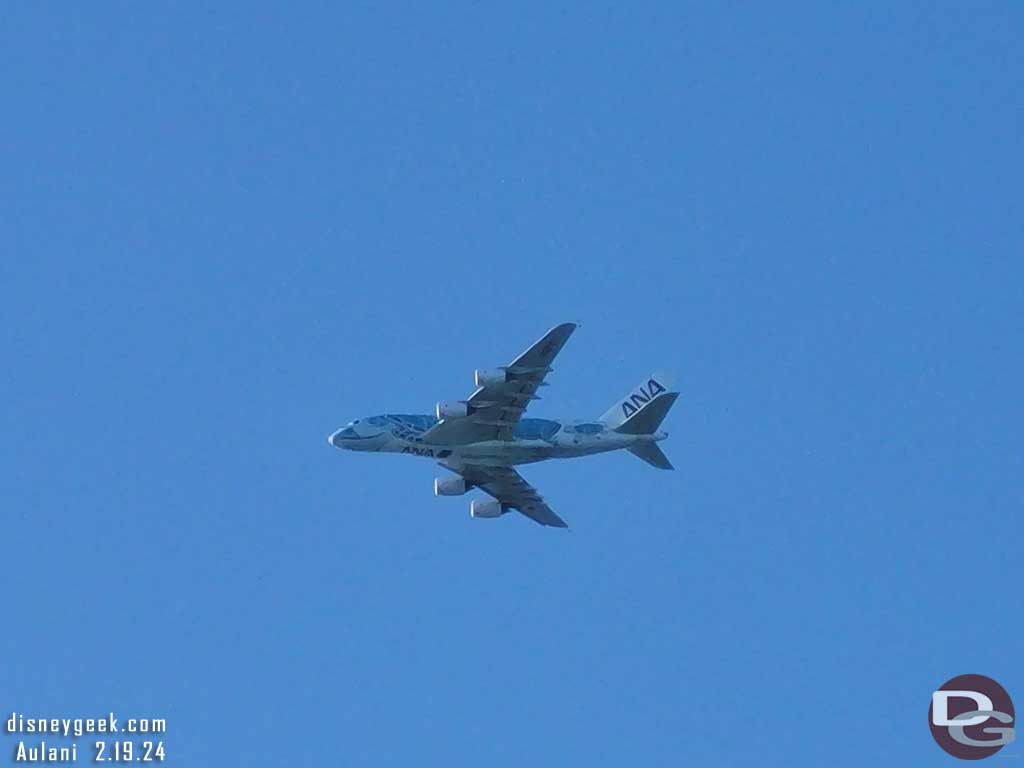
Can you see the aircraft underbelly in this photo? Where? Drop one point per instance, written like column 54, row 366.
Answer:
column 505, row 452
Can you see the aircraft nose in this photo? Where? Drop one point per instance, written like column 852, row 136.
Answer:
column 346, row 437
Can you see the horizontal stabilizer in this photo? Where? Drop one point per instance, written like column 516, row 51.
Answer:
column 652, row 454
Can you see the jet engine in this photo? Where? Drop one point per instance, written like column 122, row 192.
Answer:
column 489, row 377
column 449, row 486
column 452, row 410
column 485, row 508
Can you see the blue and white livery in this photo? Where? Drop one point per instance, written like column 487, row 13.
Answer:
column 483, row 437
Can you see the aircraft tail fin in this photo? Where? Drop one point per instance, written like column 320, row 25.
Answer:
column 642, row 410
column 652, row 454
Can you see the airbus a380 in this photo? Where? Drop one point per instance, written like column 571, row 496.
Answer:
column 482, row 438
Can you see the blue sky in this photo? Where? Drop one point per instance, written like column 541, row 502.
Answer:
column 226, row 231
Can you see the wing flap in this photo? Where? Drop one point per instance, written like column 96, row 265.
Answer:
column 543, row 514
column 508, row 486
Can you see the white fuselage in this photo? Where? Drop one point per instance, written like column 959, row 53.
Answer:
column 537, row 440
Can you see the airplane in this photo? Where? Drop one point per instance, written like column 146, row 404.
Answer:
column 482, row 438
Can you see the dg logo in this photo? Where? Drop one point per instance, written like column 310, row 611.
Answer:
column 971, row 717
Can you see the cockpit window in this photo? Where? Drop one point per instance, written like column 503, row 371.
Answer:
column 377, row 421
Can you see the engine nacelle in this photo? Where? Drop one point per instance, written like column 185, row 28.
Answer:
column 452, row 410
column 485, row 508
column 449, row 486
column 489, row 377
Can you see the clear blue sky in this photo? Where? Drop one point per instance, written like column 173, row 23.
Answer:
column 226, row 231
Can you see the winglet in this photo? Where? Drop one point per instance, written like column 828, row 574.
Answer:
column 543, row 351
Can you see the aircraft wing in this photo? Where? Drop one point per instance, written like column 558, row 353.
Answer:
column 496, row 405
column 509, row 487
